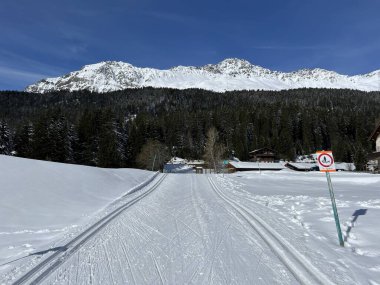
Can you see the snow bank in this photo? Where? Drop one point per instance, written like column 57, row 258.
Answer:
column 42, row 200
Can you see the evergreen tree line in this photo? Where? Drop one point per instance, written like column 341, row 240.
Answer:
column 109, row 130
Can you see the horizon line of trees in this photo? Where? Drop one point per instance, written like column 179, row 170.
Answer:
column 110, row 130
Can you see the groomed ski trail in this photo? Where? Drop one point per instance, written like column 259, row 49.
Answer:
column 42, row 270
column 190, row 230
column 303, row 270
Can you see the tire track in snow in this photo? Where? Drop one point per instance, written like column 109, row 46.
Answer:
column 108, row 263
column 292, row 259
column 200, row 214
column 216, row 240
column 157, row 269
column 125, row 252
column 215, row 254
column 137, row 252
column 182, row 222
column 180, row 245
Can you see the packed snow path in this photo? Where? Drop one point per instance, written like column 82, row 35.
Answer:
column 53, row 261
column 191, row 231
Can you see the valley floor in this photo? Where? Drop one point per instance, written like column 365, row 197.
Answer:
column 244, row 228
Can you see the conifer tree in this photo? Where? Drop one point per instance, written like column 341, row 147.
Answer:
column 41, row 144
column 5, row 139
column 24, row 140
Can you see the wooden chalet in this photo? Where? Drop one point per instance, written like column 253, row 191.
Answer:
column 264, row 154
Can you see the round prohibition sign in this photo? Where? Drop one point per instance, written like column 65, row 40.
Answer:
column 327, row 160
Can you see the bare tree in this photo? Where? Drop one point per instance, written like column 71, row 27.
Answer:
column 153, row 155
column 213, row 150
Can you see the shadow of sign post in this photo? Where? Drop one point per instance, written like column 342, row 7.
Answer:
column 42, row 252
column 356, row 214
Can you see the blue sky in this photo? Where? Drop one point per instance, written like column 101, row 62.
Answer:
column 43, row 38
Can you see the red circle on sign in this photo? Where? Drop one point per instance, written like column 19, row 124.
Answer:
column 325, row 165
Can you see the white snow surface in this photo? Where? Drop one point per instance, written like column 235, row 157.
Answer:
column 227, row 75
column 41, row 201
column 189, row 232
column 302, row 200
column 257, row 165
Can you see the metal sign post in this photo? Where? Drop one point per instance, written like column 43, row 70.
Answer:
column 336, row 216
column 326, row 164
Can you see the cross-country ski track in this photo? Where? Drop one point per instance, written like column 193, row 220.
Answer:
column 190, row 229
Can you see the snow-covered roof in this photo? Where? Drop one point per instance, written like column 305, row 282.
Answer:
column 196, row 162
column 345, row 166
column 307, row 165
column 182, row 169
column 261, row 149
column 307, row 158
column 302, row 165
column 256, row 165
column 177, row 160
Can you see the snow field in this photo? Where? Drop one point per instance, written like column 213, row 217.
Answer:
column 275, row 227
column 302, row 269
column 184, row 232
column 38, row 273
column 44, row 202
column 303, row 200
column 180, row 234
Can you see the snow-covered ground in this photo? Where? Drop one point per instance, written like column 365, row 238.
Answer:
column 242, row 228
column 42, row 201
column 302, row 198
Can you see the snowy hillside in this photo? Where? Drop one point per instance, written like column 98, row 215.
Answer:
column 41, row 201
column 230, row 74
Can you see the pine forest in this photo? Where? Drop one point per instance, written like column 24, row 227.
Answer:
column 111, row 129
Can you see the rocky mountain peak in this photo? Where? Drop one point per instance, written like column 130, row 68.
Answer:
column 229, row 74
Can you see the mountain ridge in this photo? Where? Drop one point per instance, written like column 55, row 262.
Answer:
column 227, row 75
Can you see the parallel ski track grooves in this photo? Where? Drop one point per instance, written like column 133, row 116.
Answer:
column 290, row 257
column 50, row 264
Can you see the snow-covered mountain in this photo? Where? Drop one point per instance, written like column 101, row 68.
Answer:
column 230, row 74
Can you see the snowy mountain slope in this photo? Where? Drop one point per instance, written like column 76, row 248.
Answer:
column 229, row 74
